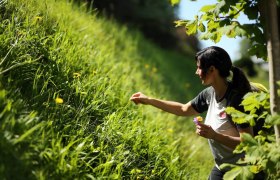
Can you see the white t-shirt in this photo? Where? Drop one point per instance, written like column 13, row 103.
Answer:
column 220, row 122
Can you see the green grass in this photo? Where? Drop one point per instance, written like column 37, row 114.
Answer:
column 53, row 49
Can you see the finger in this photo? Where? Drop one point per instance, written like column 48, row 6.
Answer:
column 199, row 132
column 136, row 94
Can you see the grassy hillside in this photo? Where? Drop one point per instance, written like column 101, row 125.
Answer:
column 66, row 77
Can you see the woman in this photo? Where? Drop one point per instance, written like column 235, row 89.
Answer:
column 213, row 68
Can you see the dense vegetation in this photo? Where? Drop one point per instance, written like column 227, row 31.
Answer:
column 155, row 18
column 65, row 81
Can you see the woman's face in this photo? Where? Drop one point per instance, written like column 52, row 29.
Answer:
column 204, row 77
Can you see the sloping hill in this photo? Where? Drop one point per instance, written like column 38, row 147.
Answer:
column 65, row 82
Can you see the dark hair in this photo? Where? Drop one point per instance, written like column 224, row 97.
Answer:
column 219, row 58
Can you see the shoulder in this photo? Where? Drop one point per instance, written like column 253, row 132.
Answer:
column 208, row 91
column 201, row 101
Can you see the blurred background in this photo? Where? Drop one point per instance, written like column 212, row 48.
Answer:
column 155, row 19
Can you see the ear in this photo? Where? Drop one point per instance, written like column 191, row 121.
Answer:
column 211, row 68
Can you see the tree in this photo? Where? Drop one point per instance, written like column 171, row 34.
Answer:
column 269, row 12
column 221, row 19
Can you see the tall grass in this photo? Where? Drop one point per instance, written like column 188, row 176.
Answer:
column 66, row 78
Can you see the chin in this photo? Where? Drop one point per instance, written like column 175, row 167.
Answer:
column 205, row 83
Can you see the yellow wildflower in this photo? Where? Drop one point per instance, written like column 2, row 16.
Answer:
column 58, row 100
column 198, row 119
column 76, row 75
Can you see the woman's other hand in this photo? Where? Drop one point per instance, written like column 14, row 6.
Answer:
column 205, row 131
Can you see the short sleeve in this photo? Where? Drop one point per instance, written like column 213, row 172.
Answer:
column 201, row 102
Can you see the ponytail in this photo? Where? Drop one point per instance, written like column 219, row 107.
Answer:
column 239, row 81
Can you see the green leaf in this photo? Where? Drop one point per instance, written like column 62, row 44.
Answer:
column 262, row 96
column 238, row 116
column 238, row 173
column 275, row 119
column 234, row 12
column 191, row 27
column 212, row 26
column 232, row 174
column 174, row 2
column 201, row 27
column 208, row 8
column 205, row 36
column 206, row 17
column 29, row 132
column 225, row 7
column 245, row 173
column 248, row 139
column 219, row 7
column 251, row 102
column 216, row 37
column 181, row 23
column 259, row 50
column 251, row 119
column 229, row 31
column 255, row 169
column 252, row 12
column 227, row 166
column 239, row 31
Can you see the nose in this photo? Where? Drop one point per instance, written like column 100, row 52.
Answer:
column 196, row 72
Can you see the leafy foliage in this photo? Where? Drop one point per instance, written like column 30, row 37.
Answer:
column 174, row 2
column 221, row 19
column 262, row 152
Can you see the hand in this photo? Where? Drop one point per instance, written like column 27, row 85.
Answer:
column 205, row 131
column 139, row 98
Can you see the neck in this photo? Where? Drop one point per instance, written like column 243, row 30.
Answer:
column 220, row 88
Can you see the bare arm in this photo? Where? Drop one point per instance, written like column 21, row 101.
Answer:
column 229, row 141
column 168, row 106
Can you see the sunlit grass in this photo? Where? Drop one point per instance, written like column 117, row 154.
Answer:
column 65, row 109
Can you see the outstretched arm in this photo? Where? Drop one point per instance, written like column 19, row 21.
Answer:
column 168, row 106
